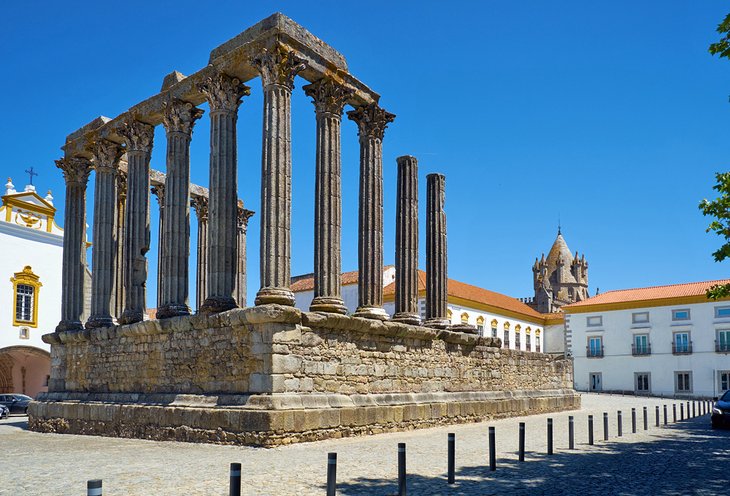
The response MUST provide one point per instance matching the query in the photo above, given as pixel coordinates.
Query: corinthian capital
(180, 116)
(223, 92)
(328, 97)
(278, 65)
(371, 120)
(200, 204)
(243, 216)
(137, 135)
(106, 155)
(75, 170)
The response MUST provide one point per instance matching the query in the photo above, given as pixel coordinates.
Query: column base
(279, 296)
(376, 313)
(467, 328)
(407, 318)
(217, 304)
(172, 310)
(131, 316)
(437, 323)
(70, 325)
(96, 321)
(329, 304)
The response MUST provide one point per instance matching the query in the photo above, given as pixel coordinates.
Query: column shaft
(159, 192)
(119, 244)
(106, 157)
(406, 242)
(201, 273)
(76, 174)
(278, 69)
(436, 256)
(372, 121)
(224, 96)
(241, 284)
(139, 137)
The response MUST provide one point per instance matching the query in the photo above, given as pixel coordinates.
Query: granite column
(241, 284)
(371, 121)
(200, 204)
(119, 236)
(406, 242)
(436, 259)
(159, 191)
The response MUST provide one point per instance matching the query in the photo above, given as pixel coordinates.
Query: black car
(16, 403)
(721, 411)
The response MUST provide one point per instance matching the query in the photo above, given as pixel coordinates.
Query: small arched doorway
(24, 369)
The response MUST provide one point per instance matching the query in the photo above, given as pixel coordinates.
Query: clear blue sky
(611, 115)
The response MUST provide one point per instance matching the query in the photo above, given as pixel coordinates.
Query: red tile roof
(305, 282)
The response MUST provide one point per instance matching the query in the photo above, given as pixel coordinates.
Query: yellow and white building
(30, 288)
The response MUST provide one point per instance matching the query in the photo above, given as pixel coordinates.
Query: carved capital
(159, 191)
(106, 155)
(328, 97)
(121, 185)
(279, 66)
(200, 204)
(243, 216)
(179, 116)
(371, 120)
(75, 170)
(223, 92)
(137, 135)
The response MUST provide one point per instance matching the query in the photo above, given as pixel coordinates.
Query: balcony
(681, 348)
(594, 352)
(641, 350)
(722, 347)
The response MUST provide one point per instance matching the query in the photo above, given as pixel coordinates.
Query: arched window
(480, 325)
(505, 340)
(464, 318)
(449, 314)
(25, 294)
(518, 330)
(528, 344)
(494, 328)
(537, 340)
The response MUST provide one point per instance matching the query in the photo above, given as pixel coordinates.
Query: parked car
(4, 412)
(721, 411)
(16, 403)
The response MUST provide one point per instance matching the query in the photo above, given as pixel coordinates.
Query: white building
(30, 288)
(493, 314)
(662, 340)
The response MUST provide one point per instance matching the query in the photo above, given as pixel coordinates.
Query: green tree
(722, 47)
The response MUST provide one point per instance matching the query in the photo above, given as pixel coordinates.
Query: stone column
(159, 192)
(119, 244)
(371, 121)
(106, 164)
(76, 174)
(138, 137)
(329, 102)
(406, 242)
(224, 95)
(178, 120)
(436, 261)
(241, 284)
(277, 67)
(200, 204)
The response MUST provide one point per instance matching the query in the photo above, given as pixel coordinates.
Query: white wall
(619, 365)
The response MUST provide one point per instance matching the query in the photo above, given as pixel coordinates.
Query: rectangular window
(721, 312)
(681, 344)
(723, 340)
(24, 333)
(537, 344)
(594, 321)
(641, 345)
(682, 314)
(517, 340)
(641, 382)
(494, 332)
(639, 317)
(724, 378)
(527, 343)
(24, 303)
(480, 329)
(595, 347)
(506, 339)
(683, 382)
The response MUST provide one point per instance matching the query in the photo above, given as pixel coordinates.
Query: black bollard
(646, 419)
(620, 425)
(492, 450)
(665, 414)
(694, 409)
(452, 458)
(681, 411)
(656, 411)
(549, 436)
(402, 469)
(590, 430)
(331, 474)
(633, 420)
(522, 442)
(93, 487)
(688, 417)
(571, 433)
(605, 426)
(234, 487)
(674, 412)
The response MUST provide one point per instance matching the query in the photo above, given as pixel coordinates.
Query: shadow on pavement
(694, 464)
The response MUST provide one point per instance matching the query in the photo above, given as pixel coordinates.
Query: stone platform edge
(275, 421)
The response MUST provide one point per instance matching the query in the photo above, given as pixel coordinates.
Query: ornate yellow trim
(449, 313)
(480, 320)
(26, 276)
(518, 328)
(528, 330)
(537, 332)
(464, 318)
(494, 322)
(506, 326)
(41, 209)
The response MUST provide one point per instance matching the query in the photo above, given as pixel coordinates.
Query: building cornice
(627, 305)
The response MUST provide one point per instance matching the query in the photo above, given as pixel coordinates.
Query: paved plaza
(684, 458)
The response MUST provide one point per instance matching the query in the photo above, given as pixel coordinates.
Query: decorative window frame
(464, 318)
(27, 277)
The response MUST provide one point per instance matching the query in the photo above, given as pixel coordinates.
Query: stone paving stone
(684, 458)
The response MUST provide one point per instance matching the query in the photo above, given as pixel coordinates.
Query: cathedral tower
(559, 279)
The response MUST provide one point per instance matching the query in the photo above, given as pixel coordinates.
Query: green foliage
(722, 47)
(719, 208)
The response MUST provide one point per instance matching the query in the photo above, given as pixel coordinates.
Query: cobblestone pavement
(683, 458)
